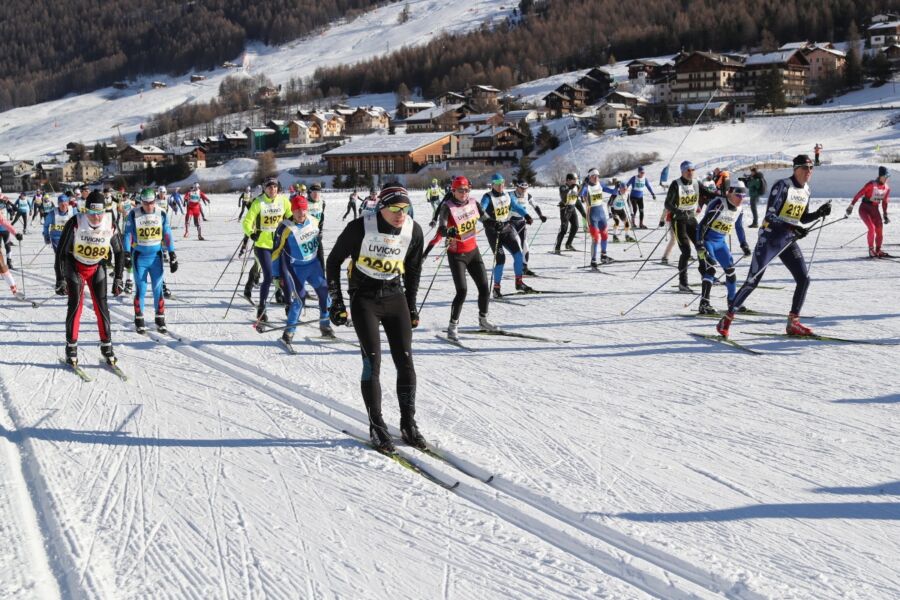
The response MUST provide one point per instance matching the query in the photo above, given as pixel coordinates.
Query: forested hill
(49, 49)
(564, 35)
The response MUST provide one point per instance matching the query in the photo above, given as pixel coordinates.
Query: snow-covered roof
(278, 122)
(713, 106)
(300, 124)
(146, 149)
(615, 105)
(485, 88)
(184, 150)
(794, 45)
(432, 113)
(235, 135)
(260, 130)
(888, 25)
(419, 105)
(489, 132)
(479, 118)
(829, 50)
(519, 114)
(384, 144)
(770, 58)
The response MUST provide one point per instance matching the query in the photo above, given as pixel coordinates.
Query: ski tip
(489, 479)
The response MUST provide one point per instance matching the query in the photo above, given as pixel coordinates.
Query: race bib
(465, 217)
(148, 229)
(92, 245)
(307, 238)
(724, 221)
(595, 195)
(619, 202)
(794, 205)
(381, 255)
(572, 197)
(502, 206)
(270, 215)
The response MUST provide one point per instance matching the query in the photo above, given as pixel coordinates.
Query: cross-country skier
(316, 204)
(260, 224)
(87, 245)
(498, 207)
(386, 249)
(569, 206)
(524, 197)
(592, 197)
(4, 257)
(351, 205)
(370, 204)
(176, 201)
(618, 209)
(44, 207)
(244, 201)
(194, 202)
(56, 221)
(722, 217)
(458, 218)
(638, 183)
(23, 206)
(682, 203)
(296, 260)
(872, 194)
(434, 195)
(786, 212)
(147, 230)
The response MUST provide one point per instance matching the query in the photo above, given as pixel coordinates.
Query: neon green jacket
(264, 216)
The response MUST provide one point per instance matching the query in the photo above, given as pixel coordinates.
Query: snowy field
(630, 460)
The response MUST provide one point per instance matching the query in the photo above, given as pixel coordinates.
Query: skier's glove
(886, 219)
(701, 254)
(61, 288)
(800, 233)
(127, 260)
(528, 219)
(254, 236)
(543, 219)
(824, 210)
(432, 223)
(338, 312)
(451, 232)
(173, 262)
(849, 210)
(46, 240)
(19, 237)
(746, 249)
(414, 318)
(662, 222)
(117, 286)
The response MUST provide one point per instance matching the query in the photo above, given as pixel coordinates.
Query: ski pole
(854, 239)
(716, 280)
(649, 256)
(649, 233)
(443, 254)
(34, 258)
(22, 266)
(812, 256)
(237, 285)
(642, 300)
(42, 302)
(535, 234)
(629, 219)
(241, 243)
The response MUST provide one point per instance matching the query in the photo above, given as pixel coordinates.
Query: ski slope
(630, 460)
(32, 131)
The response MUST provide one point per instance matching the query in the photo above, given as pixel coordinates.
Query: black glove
(19, 236)
(886, 219)
(117, 286)
(414, 318)
(451, 232)
(173, 262)
(849, 210)
(528, 219)
(662, 223)
(498, 225)
(61, 288)
(127, 260)
(543, 219)
(746, 249)
(800, 233)
(824, 210)
(338, 312)
(254, 236)
(426, 251)
(432, 223)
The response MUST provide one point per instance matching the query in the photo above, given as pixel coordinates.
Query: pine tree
(525, 171)
(527, 137)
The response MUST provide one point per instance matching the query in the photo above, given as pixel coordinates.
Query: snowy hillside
(35, 130)
(630, 460)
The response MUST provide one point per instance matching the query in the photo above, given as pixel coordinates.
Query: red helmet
(459, 182)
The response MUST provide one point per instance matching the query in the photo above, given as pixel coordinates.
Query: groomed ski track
(549, 499)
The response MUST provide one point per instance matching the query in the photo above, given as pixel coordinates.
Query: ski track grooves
(57, 541)
(639, 576)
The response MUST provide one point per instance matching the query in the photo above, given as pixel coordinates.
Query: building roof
(722, 59)
(827, 49)
(301, 124)
(770, 58)
(485, 88)
(235, 135)
(185, 150)
(479, 118)
(146, 149)
(520, 114)
(489, 132)
(888, 25)
(388, 144)
(794, 45)
(419, 105)
(432, 113)
(555, 93)
(265, 130)
(615, 105)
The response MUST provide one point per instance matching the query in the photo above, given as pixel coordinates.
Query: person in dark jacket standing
(386, 252)
(569, 206)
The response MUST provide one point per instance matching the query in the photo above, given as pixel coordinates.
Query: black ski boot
(604, 259)
(706, 308)
(129, 287)
(496, 291)
(248, 291)
(380, 437)
(523, 287)
(161, 324)
(166, 293)
(261, 317)
(139, 324)
(409, 431)
(529, 272)
(279, 296)
(106, 350)
(72, 354)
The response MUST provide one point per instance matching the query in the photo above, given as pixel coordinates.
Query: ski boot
(594, 266)
(485, 325)
(628, 238)
(795, 327)
(556, 251)
(106, 350)
(380, 437)
(604, 259)
(664, 260)
(882, 254)
(453, 330)
(161, 324)
(166, 293)
(200, 236)
(129, 287)
(522, 287)
(409, 431)
(248, 291)
(616, 239)
(186, 233)
(570, 248)
(326, 330)
(724, 324)
(496, 291)
(642, 226)
(529, 272)
(139, 324)
(706, 308)
(287, 338)
(72, 354)
(873, 253)
(685, 288)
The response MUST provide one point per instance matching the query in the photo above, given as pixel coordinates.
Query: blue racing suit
(146, 235)
(296, 256)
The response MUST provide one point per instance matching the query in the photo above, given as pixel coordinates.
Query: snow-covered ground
(32, 131)
(630, 460)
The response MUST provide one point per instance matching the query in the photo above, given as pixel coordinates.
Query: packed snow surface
(630, 459)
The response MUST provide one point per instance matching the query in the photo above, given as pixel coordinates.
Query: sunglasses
(464, 190)
(397, 208)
